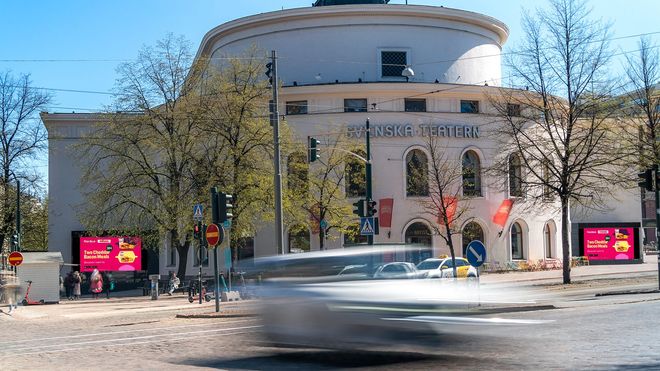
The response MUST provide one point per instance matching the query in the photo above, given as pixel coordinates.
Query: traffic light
(371, 208)
(312, 149)
(359, 208)
(14, 241)
(269, 72)
(197, 230)
(646, 179)
(226, 207)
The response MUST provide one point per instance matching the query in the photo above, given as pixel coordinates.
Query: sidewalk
(555, 276)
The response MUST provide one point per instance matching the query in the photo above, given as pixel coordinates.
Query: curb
(628, 292)
(221, 314)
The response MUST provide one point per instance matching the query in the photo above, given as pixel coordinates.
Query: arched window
(516, 241)
(352, 235)
(355, 178)
(299, 239)
(472, 231)
(515, 176)
(297, 170)
(417, 178)
(471, 174)
(420, 235)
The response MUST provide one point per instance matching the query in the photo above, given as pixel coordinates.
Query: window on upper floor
(355, 105)
(513, 110)
(393, 63)
(469, 106)
(417, 174)
(355, 176)
(298, 107)
(471, 175)
(515, 176)
(415, 105)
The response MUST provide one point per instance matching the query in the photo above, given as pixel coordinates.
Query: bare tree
(643, 72)
(445, 201)
(140, 158)
(561, 124)
(22, 139)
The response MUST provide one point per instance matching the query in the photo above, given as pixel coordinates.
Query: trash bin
(154, 285)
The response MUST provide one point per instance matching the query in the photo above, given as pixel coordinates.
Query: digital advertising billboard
(609, 243)
(110, 254)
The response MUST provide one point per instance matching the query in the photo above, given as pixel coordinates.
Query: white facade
(329, 54)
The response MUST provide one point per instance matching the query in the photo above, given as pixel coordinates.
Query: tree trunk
(321, 238)
(450, 243)
(565, 240)
(182, 251)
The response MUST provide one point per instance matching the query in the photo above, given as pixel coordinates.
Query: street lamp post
(370, 238)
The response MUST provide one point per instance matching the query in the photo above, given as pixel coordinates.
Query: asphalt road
(606, 333)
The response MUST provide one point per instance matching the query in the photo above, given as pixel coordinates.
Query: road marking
(126, 344)
(169, 328)
(129, 338)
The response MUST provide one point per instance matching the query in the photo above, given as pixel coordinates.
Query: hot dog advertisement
(110, 254)
(609, 243)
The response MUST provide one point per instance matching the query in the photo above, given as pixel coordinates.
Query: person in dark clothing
(68, 285)
(108, 283)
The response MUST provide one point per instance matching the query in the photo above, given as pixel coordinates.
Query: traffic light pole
(18, 214)
(275, 123)
(215, 217)
(657, 219)
(370, 238)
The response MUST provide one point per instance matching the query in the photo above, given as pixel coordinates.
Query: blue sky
(42, 37)
(103, 33)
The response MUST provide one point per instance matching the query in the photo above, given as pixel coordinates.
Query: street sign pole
(215, 216)
(370, 238)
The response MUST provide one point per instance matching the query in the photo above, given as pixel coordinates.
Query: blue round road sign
(475, 253)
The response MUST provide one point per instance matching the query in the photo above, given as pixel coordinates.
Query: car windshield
(428, 264)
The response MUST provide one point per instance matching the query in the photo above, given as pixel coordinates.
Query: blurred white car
(398, 270)
(443, 268)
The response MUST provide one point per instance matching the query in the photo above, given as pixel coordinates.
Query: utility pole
(275, 123)
(18, 214)
(370, 238)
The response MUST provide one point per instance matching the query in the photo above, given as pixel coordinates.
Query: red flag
(385, 212)
(503, 212)
(450, 203)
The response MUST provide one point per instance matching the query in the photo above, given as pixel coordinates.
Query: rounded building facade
(341, 65)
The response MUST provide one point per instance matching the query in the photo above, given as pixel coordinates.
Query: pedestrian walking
(108, 283)
(77, 281)
(68, 285)
(95, 283)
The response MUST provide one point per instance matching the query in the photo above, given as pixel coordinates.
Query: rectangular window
(415, 105)
(171, 256)
(205, 257)
(469, 106)
(298, 107)
(393, 63)
(355, 105)
(513, 110)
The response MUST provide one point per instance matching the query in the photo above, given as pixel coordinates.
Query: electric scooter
(207, 297)
(27, 301)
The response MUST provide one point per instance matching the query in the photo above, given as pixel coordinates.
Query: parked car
(398, 270)
(443, 268)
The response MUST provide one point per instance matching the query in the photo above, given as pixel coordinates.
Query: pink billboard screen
(110, 254)
(609, 243)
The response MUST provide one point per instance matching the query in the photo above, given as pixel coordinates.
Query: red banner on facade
(450, 204)
(503, 212)
(385, 212)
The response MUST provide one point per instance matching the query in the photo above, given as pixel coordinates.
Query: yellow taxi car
(443, 268)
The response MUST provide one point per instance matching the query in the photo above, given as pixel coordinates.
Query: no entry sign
(214, 235)
(15, 259)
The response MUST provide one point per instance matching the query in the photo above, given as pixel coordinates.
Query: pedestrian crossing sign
(198, 212)
(367, 226)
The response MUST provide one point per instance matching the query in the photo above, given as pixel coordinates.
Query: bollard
(154, 285)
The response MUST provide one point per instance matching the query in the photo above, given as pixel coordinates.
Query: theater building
(413, 71)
